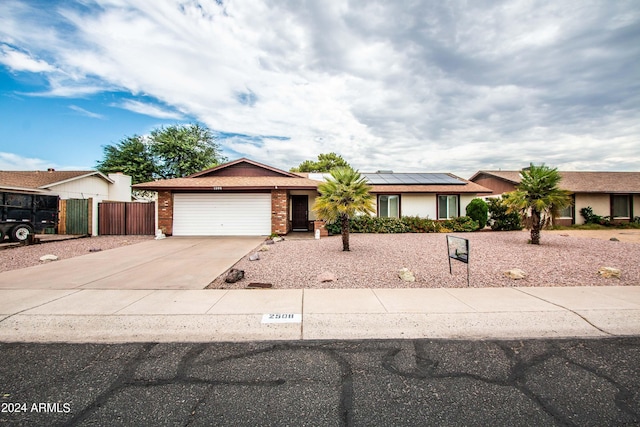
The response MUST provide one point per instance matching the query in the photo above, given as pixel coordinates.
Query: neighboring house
(244, 197)
(70, 185)
(610, 194)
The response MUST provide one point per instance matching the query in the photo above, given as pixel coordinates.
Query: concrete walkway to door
(175, 263)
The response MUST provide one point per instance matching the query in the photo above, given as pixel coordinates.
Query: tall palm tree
(539, 196)
(342, 196)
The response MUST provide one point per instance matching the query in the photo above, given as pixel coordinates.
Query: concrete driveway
(173, 263)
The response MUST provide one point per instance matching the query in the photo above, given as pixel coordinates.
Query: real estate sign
(458, 249)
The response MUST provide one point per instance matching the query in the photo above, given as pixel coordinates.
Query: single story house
(92, 185)
(244, 197)
(609, 194)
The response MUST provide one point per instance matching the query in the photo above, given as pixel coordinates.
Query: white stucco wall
(422, 205)
(600, 203)
(120, 190)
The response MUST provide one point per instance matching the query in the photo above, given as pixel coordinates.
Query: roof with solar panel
(385, 181)
(388, 177)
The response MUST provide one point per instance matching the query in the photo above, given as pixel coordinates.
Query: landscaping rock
(264, 248)
(406, 275)
(95, 250)
(614, 239)
(234, 275)
(269, 242)
(515, 274)
(609, 272)
(277, 239)
(48, 258)
(326, 276)
(254, 257)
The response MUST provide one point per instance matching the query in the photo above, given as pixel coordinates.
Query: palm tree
(342, 196)
(538, 194)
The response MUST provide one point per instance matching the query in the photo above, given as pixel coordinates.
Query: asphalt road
(353, 383)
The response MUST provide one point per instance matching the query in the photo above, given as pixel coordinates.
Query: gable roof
(244, 162)
(581, 182)
(40, 181)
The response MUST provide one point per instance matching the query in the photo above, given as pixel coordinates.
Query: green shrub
(461, 223)
(499, 217)
(416, 224)
(591, 218)
(479, 211)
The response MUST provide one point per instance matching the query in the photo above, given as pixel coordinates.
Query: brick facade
(279, 212)
(165, 212)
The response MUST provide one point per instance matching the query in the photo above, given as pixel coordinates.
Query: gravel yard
(14, 258)
(374, 261)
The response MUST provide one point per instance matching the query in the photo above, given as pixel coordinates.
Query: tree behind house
(171, 152)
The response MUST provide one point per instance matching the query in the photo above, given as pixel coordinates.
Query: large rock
(49, 257)
(515, 274)
(609, 272)
(327, 276)
(264, 248)
(254, 257)
(234, 275)
(406, 275)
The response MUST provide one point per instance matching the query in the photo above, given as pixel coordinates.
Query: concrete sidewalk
(141, 315)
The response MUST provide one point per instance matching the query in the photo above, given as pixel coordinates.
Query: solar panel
(412, 179)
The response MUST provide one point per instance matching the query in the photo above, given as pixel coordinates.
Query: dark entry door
(300, 213)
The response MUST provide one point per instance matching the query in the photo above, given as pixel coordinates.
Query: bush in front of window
(406, 224)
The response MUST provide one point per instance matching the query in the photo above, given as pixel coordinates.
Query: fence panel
(140, 218)
(77, 216)
(126, 218)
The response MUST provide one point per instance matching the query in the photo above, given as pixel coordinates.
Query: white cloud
(149, 110)
(15, 162)
(455, 85)
(21, 61)
(87, 113)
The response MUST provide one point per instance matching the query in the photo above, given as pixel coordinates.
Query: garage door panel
(226, 214)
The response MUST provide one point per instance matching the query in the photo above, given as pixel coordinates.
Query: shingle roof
(584, 182)
(229, 183)
(39, 180)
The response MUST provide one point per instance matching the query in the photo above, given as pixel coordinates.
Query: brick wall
(165, 212)
(279, 211)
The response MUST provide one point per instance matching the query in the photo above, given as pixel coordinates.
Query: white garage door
(224, 214)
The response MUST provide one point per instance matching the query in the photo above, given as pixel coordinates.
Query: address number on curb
(282, 318)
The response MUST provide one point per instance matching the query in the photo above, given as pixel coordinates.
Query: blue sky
(430, 86)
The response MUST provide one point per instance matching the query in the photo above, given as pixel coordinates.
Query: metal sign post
(458, 249)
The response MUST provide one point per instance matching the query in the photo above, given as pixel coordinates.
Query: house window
(621, 206)
(389, 206)
(566, 212)
(448, 206)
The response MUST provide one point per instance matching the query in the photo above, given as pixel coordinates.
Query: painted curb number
(281, 318)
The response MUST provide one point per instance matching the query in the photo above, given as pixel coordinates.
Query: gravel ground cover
(374, 261)
(14, 258)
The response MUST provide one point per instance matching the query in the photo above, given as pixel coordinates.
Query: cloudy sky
(421, 85)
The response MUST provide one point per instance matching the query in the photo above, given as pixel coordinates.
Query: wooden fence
(126, 218)
(75, 216)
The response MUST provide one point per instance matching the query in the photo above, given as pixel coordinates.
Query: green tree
(130, 156)
(478, 210)
(342, 196)
(170, 152)
(538, 198)
(325, 163)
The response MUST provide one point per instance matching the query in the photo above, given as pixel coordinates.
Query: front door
(300, 213)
